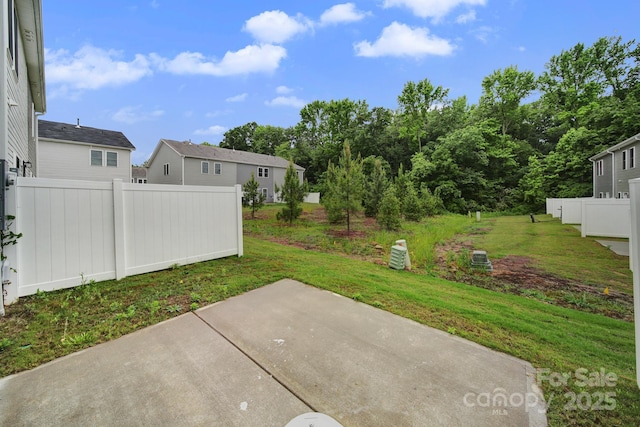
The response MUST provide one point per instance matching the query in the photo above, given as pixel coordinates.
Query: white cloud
(131, 115)
(341, 13)
(401, 40)
(467, 17)
(286, 101)
(483, 33)
(155, 4)
(237, 98)
(93, 68)
(276, 26)
(251, 59)
(521, 49)
(283, 90)
(216, 113)
(436, 9)
(211, 130)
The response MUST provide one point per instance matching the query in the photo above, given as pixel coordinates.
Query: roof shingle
(210, 152)
(83, 134)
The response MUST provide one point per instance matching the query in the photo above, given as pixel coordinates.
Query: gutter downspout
(613, 173)
(182, 170)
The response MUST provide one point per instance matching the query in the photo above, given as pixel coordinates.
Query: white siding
(155, 171)
(18, 123)
(60, 160)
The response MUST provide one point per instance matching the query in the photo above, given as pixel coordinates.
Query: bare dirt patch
(519, 275)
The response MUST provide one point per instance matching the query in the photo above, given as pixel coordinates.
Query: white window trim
(625, 160)
(217, 168)
(632, 158)
(600, 168)
(106, 160)
(264, 192)
(166, 170)
(263, 172)
(91, 157)
(202, 167)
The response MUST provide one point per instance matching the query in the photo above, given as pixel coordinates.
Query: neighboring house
(23, 84)
(614, 167)
(78, 152)
(185, 163)
(138, 175)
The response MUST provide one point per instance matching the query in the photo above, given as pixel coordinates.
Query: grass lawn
(558, 339)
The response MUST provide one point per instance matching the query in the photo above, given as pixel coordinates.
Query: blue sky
(192, 70)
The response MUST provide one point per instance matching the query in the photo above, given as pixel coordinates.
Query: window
(600, 168)
(112, 158)
(265, 193)
(204, 168)
(217, 168)
(13, 34)
(96, 158)
(166, 168)
(632, 157)
(263, 172)
(600, 195)
(624, 159)
(142, 181)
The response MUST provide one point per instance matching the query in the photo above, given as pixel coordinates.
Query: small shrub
(5, 343)
(175, 308)
(357, 297)
(389, 211)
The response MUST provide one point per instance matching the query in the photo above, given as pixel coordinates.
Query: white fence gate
(109, 230)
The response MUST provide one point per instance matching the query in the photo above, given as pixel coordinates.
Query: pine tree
(252, 195)
(412, 208)
(375, 186)
(389, 212)
(345, 185)
(292, 193)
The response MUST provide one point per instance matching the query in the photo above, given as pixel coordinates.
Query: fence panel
(67, 230)
(634, 251)
(188, 224)
(606, 218)
(80, 230)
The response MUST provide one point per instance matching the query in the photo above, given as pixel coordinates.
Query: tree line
(529, 137)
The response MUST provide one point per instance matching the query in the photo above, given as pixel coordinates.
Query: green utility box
(398, 257)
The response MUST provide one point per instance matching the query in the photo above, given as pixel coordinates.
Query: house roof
(30, 18)
(210, 152)
(616, 147)
(138, 172)
(83, 134)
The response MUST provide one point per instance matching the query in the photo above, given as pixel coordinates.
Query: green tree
(292, 193)
(389, 212)
(240, 138)
(252, 195)
(416, 101)
(502, 92)
(412, 208)
(375, 185)
(345, 185)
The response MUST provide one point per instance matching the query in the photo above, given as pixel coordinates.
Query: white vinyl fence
(597, 217)
(634, 252)
(606, 218)
(81, 230)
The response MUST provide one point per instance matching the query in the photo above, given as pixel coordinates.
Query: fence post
(118, 227)
(11, 266)
(239, 210)
(634, 241)
(583, 221)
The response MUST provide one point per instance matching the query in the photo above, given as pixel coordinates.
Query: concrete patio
(270, 355)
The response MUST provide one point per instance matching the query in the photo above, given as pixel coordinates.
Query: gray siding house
(78, 152)
(614, 167)
(186, 163)
(23, 94)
